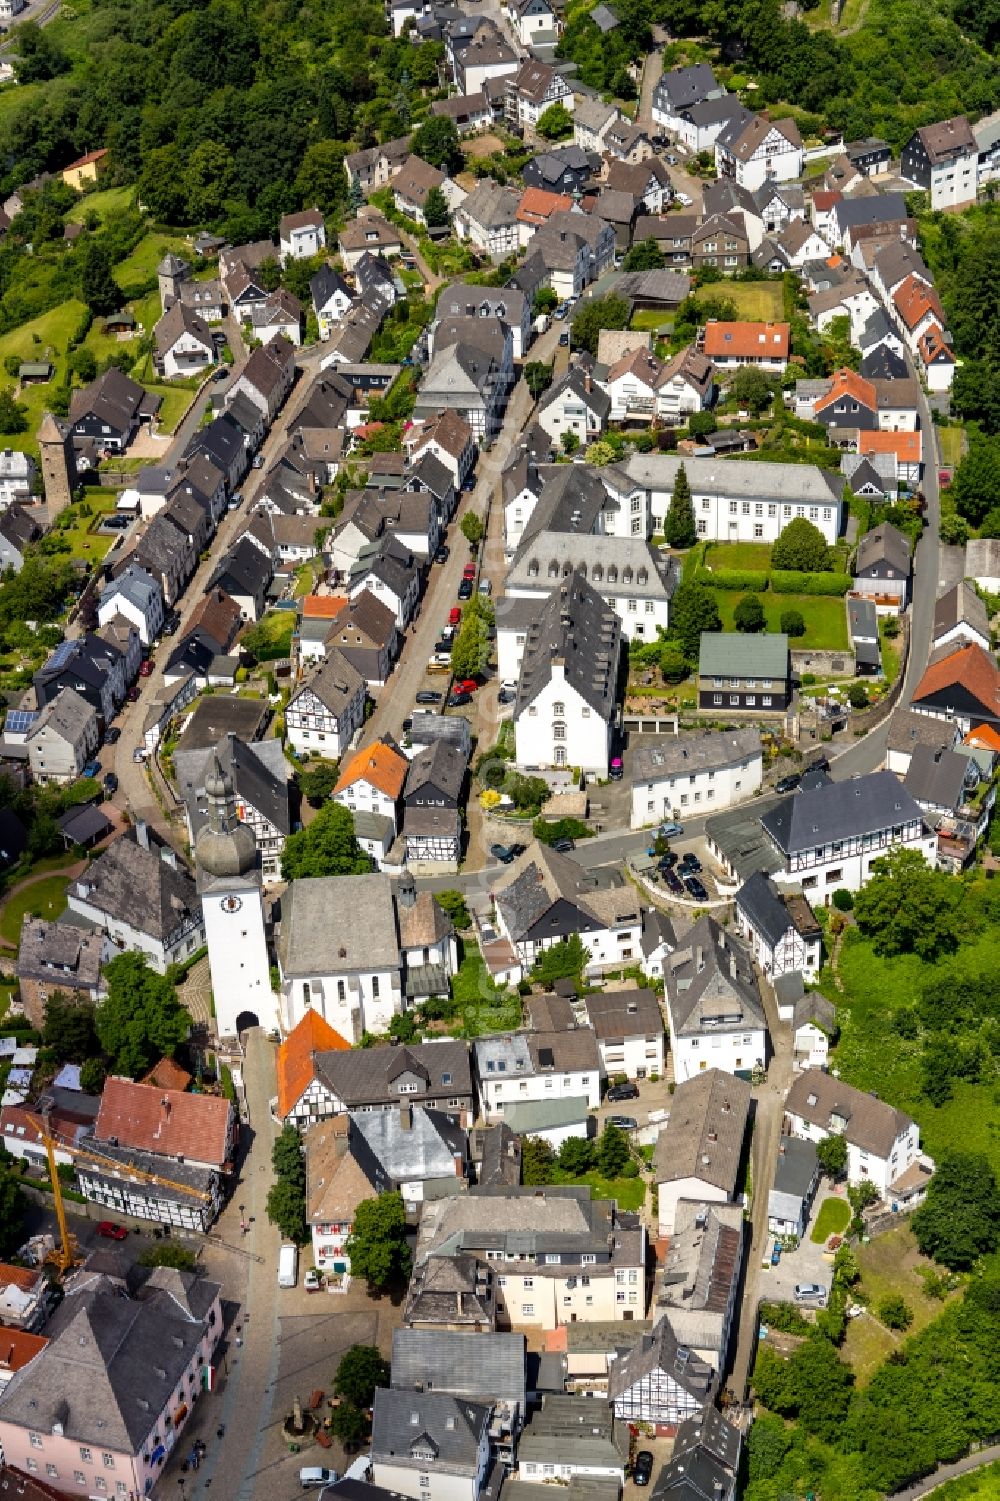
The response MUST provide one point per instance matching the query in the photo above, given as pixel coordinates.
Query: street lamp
(243, 1223)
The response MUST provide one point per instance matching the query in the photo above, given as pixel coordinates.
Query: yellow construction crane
(66, 1255)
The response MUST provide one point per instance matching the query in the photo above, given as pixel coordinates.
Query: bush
(894, 1312)
(843, 899)
(792, 623)
(748, 615)
(746, 580)
(788, 581)
(563, 828)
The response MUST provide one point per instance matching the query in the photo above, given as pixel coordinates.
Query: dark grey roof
(680, 755)
(624, 1013)
(883, 363)
(710, 983)
(936, 777)
(244, 569)
(961, 605)
(703, 1137)
(412, 1144)
(439, 765)
(258, 773)
(851, 213)
(682, 87)
(862, 621)
(465, 1365)
(365, 1076)
(136, 886)
(660, 1351)
(796, 1166)
(576, 628)
(841, 810)
(907, 729)
(704, 1461)
(870, 1123)
(760, 899)
(410, 1428)
(883, 544)
(656, 929)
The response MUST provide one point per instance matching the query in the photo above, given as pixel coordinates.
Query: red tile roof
(906, 446)
(17, 1347)
(379, 764)
(537, 205)
(932, 346)
(168, 1075)
(984, 737)
(914, 299)
(747, 340)
(969, 667)
(323, 606)
(165, 1121)
(85, 161)
(26, 1278)
(824, 200)
(295, 1057)
(849, 383)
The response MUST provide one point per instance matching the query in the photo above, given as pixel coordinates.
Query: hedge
(746, 580)
(788, 582)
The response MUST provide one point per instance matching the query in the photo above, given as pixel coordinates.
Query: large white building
(567, 688)
(520, 1067)
(713, 1005)
(780, 929)
(713, 770)
(883, 1144)
(545, 897)
(635, 579)
(752, 149)
(323, 715)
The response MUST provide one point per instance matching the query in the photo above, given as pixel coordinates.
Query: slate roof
(725, 654)
(871, 1123)
(575, 627)
(439, 765)
(412, 1144)
(68, 715)
(335, 682)
(841, 811)
(936, 776)
(660, 1351)
(704, 1462)
(451, 1290)
(409, 1428)
(684, 754)
(461, 1364)
(617, 1014)
(796, 1166)
(244, 569)
(259, 775)
(711, 984)
(703, 1137)
(883, 544)
(134, 885)
(961, 605)
(947, 139)
(701, 1266)
(165, 1121)
(113, 399)
(332, 925)
(682, 87)
(59, 952)
(180, 320)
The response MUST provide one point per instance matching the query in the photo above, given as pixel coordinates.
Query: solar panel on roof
(18, 720)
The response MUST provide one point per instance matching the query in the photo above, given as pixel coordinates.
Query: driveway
(807, 1263)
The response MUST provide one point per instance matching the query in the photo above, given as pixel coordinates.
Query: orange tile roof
(537, 204)
(168, 1075)
(85, 161)
(834, 260)
(323, 606)
(379, 764)
(969, 667)
(984, 737)
(932, 346)
(17, 1347)
(24, 1277)
(906, 446)
(824, 200)
(849, 383)
(295, 1057)
(914, 299)
(747, 339)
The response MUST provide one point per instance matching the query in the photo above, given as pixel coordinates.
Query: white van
(288, 1266)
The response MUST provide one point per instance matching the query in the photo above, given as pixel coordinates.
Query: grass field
(92, 546)
(484, 1008)
(106, 204)
(629, 1192)
(890, 1264)
(755, 300)
(951, 439)
(43, 898)
(833, 1219)
(133, 273)
(650, 320)
(825, 618)
(753, 555)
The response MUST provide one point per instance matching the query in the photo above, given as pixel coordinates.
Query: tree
(473, 529)
(470, 650)
(317, 781)
(895, 1312)
(752, 389)
(377, 1243)
(680, 528)
(793, 623)
(453, 902)
(92, 1076)
(646, 256)
(98, 288)
(700, 424)
(545, 300)
(612, 1151)
(907, 908)
(320, 182)
(537, 377)
(209, 178)
(286, 1208)
(13, 1206)
(576, 1155)
(402, 1027)
(767, 1445)
(437, 214)
(326, 847)
(857, 695)
(161, 184)
(748, 616)
(975, 484)
(537, 1158)
(169, 1253)
(843, 899)
(349, 1424)
(142, 1020)
(37, 56)
(555, 123)
(562, 961)
(362, 1370)
(69, 1028)
(436, 142)
(822, 1385)
(570, 441)
(800, 546)
(287, 1157)
(832, 1155)
(598, 313)
(13, 414)
(959, 1220)
(694, 610)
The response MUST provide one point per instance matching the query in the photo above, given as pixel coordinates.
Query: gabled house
(660, 1382)
(544, 897)
(574, 404)
(468, 113)
(715, 770)
(488, 220)
(268, 375)
(280, 314)
(714, 1009)
(364, 631)
(961, 618)
(222, 444)
(700, 1150)
(732, 345)
(19, 527)
(62, 738)
(430, 1445)
(705, 1462)
(567, 1438)
(629, 574)
(702, 1271)
(448, 437)
(492, 1372)
(302, 1097)
(331, 299)
(89, 665)
(961, 686)
(244, 573)
(678, 90)
(55, 956)
(779, 927)
(390, 572)
(943, 159)
(411, 185)
(325, 712)
(372, 779)
(535, 22)
(521, 1068)
(139, 598)
(748, 673)
(592, 119)
(752, 148)
(109, 412)
(722, 242)
(337, 1181)
(373, 167)
(184, 344)
(628, 1026)
(142, 898)
(533, 89)
(370, 233)
(301, 235)
(561, 170)
(883, 1144)
(796, 1178)
(882, 563)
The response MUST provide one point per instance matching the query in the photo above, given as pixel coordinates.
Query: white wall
(670, 1195)
(728, 1051)
(237, 954)
(670, 797)
(638, 1057)
(866, 1166)
(587, 739)
(350, 1011)
(496, 1093)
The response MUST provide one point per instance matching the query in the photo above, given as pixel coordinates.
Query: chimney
(142, 833)
(406, 1117)
(699, 958)
(169, 856)
(340, 1145)
(586, 381)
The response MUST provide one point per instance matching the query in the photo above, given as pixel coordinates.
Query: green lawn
(951, 445)
(107, 203)
(833, 1219)
(484, 1008)
(136, 270)
(755, 300)
(650, 320)
(755, 555)
(890, 650)
(629, 1192)
(43, 899)
(825, 618)
(980, 1485)
(890, 1265)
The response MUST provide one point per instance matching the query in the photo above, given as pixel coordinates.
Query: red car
(146, 668)
(111, 1231)
(469, 571)
(455, 615)
(468, 685)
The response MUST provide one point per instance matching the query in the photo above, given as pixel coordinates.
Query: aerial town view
(499, 750)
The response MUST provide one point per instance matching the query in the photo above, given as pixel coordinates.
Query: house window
(341, 991)
(108, 1460)
(79, 1477)
(51, 1470)
(86, 1456)
(35, 1440)
(558, 709)
(374, 987)
(527, 1309)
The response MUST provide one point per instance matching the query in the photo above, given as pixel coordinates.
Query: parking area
(807, 1263)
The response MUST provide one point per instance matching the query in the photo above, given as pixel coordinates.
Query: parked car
(563, 846)
(689, 861)
(789, 783)
(561, 311)
(667, 861)
(171, 625)
(454, 615)
(428, 696)
(92, 769)
(776, 1253)
(670, 830)
(506, 697)
(642, 1470)
(258, 461)
(459, 700)
(619, 1093)
(442, 555)
(518, 849)
(465, 589)
(485, 587)
(146, 668)
(616, 770)
(316, 1475)
(696, 889)
(467, 685)
(111, 1231)
(112, 735)
(313, 1280)
(672, 881)
(502, 853)
(564, 338)
(807, 1292)
(133, 694)
(624, 1122)
(110, 783)
(469, 571)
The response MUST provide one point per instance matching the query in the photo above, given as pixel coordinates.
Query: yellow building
(88, 169)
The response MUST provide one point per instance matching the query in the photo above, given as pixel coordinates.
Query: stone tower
(171, 271)
(55, 444)
(232, 901)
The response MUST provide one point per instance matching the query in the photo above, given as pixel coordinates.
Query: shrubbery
(745, 580)
(786, 581)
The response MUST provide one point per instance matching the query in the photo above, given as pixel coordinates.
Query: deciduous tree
(142, 1020)
(436, 142)
(907, 908)
(377, 1244)
(959, 1220)
(748, 616)
(693, 610)
(326, 847)
(555, 123)
(801, 546)
(362, 1370)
